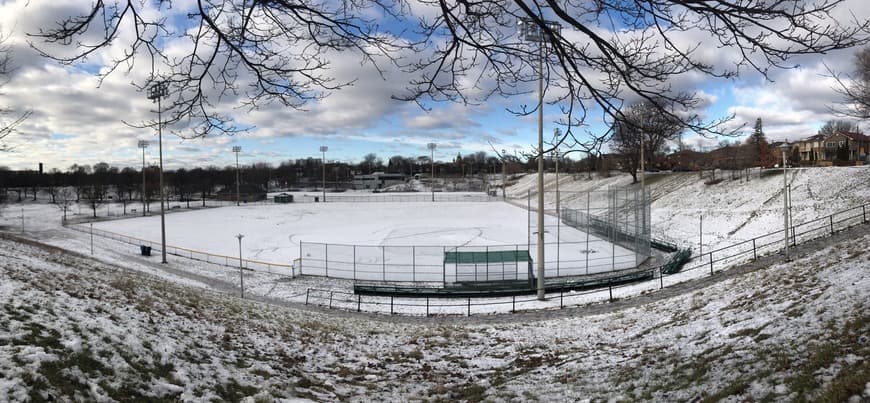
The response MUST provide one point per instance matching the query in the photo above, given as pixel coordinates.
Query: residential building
(839, 147)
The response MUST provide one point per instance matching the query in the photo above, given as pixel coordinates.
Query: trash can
(146, 250)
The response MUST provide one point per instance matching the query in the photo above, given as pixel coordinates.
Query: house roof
(815, 137)
(857, 136)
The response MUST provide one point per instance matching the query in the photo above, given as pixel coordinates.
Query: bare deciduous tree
(609, 53)
(643, 126)
(855, 88)
(836, 126)
(9, 120)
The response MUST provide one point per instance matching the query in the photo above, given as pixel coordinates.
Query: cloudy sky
(75, 119)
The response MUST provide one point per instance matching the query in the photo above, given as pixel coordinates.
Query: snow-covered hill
(72, 328)
(118, 327)
(733, 210)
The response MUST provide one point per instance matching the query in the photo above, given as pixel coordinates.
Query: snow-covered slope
(76, 329)
(733, 210)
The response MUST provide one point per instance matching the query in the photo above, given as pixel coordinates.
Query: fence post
(831, 217)
(711, 263)
(513, 304)
(661, 278)
(486, 253)
(793, 236)
(391, 305)
(330, 299)
(444, 266)
(306, 295)
(754, 253)
(610, 288)
(469, 306)
(561, 294)
(427, 307)
(358, 302)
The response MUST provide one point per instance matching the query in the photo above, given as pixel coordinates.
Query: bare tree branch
(609, 53)
(9, 126)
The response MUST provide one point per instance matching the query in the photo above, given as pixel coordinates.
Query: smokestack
(40, 168)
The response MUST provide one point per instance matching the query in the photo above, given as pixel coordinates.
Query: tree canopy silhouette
(608, 54)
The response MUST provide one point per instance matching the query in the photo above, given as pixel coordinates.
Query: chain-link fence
(625, 221)
(398, 197)
(707, 263)
(429, 264)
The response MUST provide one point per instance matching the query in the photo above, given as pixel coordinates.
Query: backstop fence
(625, 222)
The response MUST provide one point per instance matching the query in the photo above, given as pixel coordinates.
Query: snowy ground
(284, 232)
(74, 328)
(121, 326)
(733, 210)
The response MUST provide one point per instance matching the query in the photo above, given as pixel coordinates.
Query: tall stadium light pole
(431, 147)
(503, 173)
(143, 144)
(784, 147)
(241, 276)
(323, 150)
(157, 92)
(532, 32)
(237, 150)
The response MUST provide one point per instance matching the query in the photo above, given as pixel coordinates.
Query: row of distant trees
(102, 182)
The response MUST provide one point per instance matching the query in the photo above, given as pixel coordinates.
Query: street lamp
(157, 92)
(241, 277)
(323, 150)
(784, 147)
(531, 31)
(431, 147)
(143, 144)
(237, 150)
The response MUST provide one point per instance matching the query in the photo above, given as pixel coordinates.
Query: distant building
(839, 147)
(377, 180)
